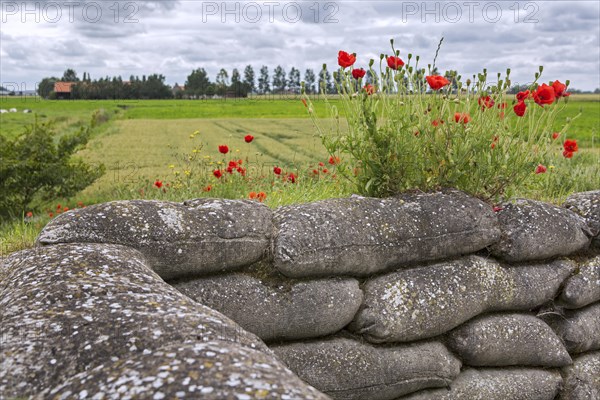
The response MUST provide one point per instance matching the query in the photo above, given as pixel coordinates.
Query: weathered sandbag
(360, 236)
(579, 329)
(582, 379)
(499, 340)
(278, 309)
(349, 369)
(212, 370)
(196, 237)
(497, 384)
(69, 308)
(583, 288)
(427, 301)
(587, 204)
(533, 230)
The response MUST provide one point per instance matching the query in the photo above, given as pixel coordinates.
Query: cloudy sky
(171, 37)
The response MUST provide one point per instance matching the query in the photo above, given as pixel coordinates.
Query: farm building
(63, 89)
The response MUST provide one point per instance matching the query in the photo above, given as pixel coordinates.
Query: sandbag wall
(422, 296)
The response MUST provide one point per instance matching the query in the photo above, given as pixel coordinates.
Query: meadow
(140, 142)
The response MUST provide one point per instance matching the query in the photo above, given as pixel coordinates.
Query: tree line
(197, 85)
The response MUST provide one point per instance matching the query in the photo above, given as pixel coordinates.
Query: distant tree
(452, 76)
(237, 87)
(2, 88)
(263, 80)
(249, 79)
(46, 86)
(294, 80)
(235, 77)
(325, 85)
(222, 81)
(197, 82)
(154, 87)
(514, 89)
(309, 81)
(597, 91)
(70, 76)
(222, 78)
(279, 81)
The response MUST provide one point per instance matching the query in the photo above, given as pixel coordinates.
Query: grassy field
(143, 141)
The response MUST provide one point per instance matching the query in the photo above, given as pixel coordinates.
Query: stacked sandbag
(508, 339)
(426, 295)
(278, 309)
(94, 319)
(587, 204)
(582, 379)
(346, 368)
(360, 236)
(533, 230)
(197, 237)
(427, 301)
(497, 384)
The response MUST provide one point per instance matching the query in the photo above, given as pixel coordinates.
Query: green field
(142, 141)
(144, 137)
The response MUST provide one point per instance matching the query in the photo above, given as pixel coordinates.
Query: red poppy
(334, 160)
(277, 170)
(229, 169)
(544, 95)
(248, 138)
(233, 164)
(555, 135)
(158, 184)
(436, 82)
(223, 149)
(321, 164)
(29, 214)
(521, 96)
(369, 89)
(261, 196)
(80, 203)
(437, 122)
(292, 177)
(493, 145)
(207, 188)
(217, 173)
(570, 146)
(568, 154)
(394, 62)
(560, 89)
(462, 117)
(325, 170)
(252, 195)
(241, 171)
(417, 133)
(58, 206)
(315, 172)
(486, 102)
(345, 59)
(358, 73)
(520, 108)
(497, 209)
(540, 169)
(502, 106)
(65, 209)
(50, 214)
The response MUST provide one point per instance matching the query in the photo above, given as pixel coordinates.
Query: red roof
(63, 87)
